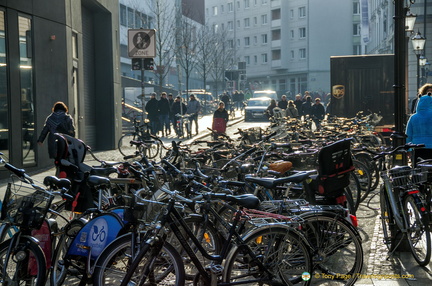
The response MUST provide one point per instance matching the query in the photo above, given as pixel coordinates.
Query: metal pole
(398, 135)
(142, 91)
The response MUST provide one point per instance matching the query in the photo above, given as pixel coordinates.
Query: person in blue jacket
(419, 126)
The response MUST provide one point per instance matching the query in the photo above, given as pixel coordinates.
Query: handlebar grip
(171, 166)
(19, 172)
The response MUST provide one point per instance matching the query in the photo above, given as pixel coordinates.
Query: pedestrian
(298, 103)
(241, 98)
(152, 113)
(269, 111)
(164, 114)
(193, 109)
(419, 126)
(414, 103)
(283, 103)
(59, 121)
(318, 113)
(292, 111)
(226, 98)
(178, 108)
(307, 107)
(171, 102)
(220, 119)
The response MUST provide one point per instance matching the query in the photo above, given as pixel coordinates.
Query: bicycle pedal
(215, 269)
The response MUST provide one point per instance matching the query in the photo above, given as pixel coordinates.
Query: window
(230, 25)
(276, 14)
(302, 12)
(255, 21)
(292, 54)
(215, 10)
(247, 41)
(247, 59)
(138, 20)
(264, 58)
(357, 50)
(4, 122)
(356, 29)
(246, 22)
(238, 23)
(356, 8)
(238, 4)
(264, 2)
(292, 14)
(246, 4)
(282, 84)
(264, 19)
(255, 40)
(276, 35)
(292, 34)
(276, 55)
(255, 59)
(222, 9)
(230, 7)
(238, 43)
(215, 28)
(25, 31)
(130, 18)
(231, 44)
(302, 33)
(123, 16)
(264, 38)
(302, 53)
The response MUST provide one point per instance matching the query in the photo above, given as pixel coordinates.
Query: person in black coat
(152, 113)
(59, 121)
(164, 113)
(283, 103)
(318, 113)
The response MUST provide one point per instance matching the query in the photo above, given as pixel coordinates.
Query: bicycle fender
(95, 236)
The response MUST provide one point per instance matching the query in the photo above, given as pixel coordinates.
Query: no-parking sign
(142, 43)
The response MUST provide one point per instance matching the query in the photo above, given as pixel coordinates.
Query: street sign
(142, 43)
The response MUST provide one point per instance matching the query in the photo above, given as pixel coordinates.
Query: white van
(266, 93)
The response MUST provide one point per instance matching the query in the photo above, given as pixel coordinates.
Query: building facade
(287, 45)
(58, 50)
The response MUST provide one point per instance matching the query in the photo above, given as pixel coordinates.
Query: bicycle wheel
(388, 223)
(152, 150)
(418, 230)
(59, 267)
(337, 247)
(364, 179)
(372, 166)
(26, 264)
(166, 267)
(124, 146)
(351, 205)
(282, 252)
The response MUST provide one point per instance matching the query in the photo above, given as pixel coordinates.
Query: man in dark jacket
(178, 107)
(283, 103)
(152, 113)
(318, 113)
(164, 112)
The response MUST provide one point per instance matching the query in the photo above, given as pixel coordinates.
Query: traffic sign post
(142, 50)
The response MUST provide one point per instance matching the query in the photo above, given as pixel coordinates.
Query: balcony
(276, 23)
(276, 63)
(276, 44)
(275, 3)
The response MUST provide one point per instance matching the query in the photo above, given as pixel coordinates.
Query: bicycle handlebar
(405, 147)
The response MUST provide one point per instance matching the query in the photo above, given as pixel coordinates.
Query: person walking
(283, 103)
(59, 121)
(164, 113)
(193, 109)
(318, 113)
(178, 107)
(292, 111)
(269, 110)
(307, 107)
(152, 113)
(419, 126)
(171, 102)
(220, 120)
(298, 103)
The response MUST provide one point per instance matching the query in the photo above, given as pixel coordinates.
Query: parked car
(266, 93)
(256, 108)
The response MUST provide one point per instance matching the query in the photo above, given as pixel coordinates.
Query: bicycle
(25, 258)
(151, 144)
(253, 258)
(404, 209)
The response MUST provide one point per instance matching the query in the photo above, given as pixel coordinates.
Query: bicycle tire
(351, 205)
(15, 271)
(116, 260)
(154, 149)
(283, 251)
(337, 247)
(59, 266)
(364, 178)
(387, 221)
(125, 148)
(419, 237)
(372, 167)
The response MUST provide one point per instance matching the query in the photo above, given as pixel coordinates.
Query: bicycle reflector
(354, 220)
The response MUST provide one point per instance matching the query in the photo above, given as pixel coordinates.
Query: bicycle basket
(24, 206)
(403, 176)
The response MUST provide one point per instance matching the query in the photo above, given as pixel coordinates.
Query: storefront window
(27, 95)
(4, 113)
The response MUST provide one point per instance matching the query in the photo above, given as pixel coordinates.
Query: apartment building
(287, 45)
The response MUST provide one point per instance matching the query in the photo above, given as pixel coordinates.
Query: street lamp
(423, 62)
(410, 21)
(418, 42)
